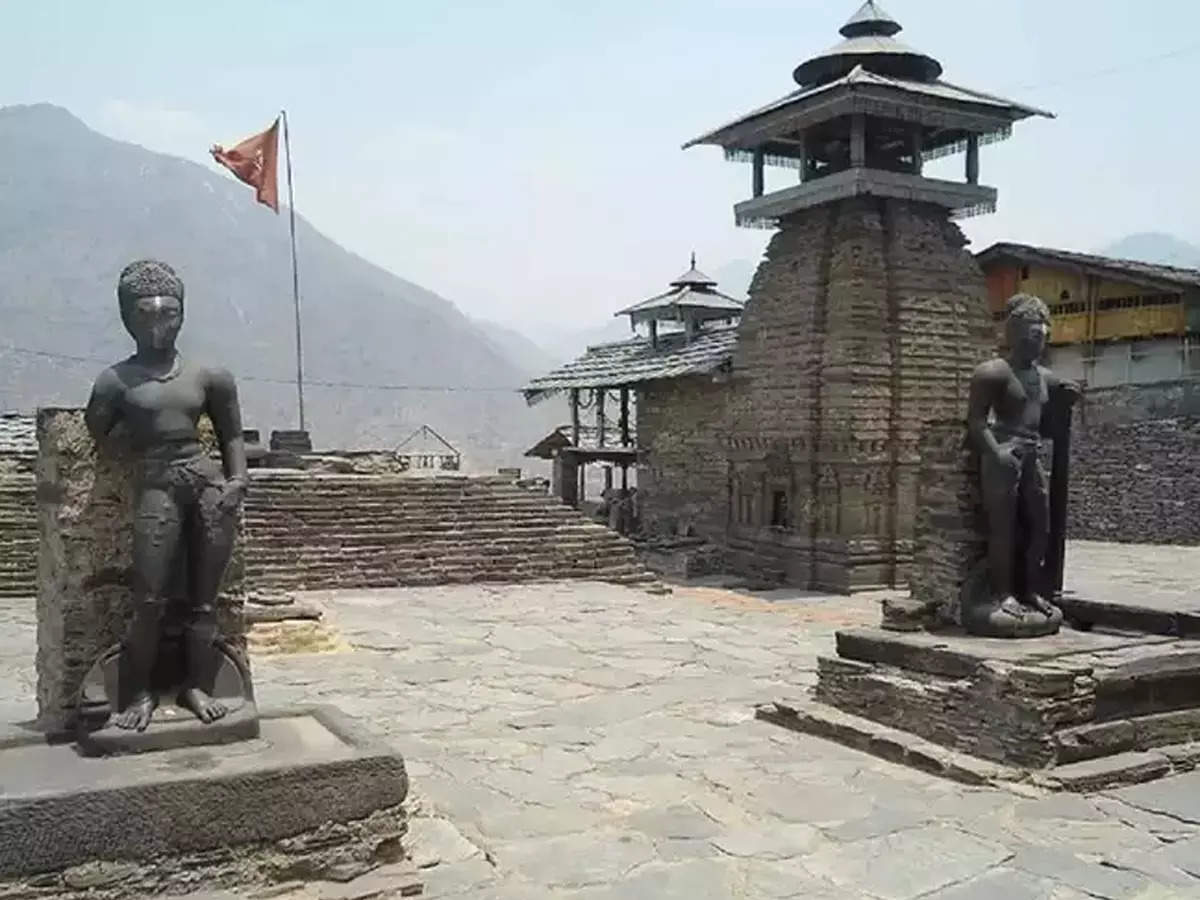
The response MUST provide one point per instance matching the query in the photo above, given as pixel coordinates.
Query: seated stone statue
(1008, 417)
(185, 515)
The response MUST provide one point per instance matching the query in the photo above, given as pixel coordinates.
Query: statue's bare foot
(1039, 603)
(206, 708)
(136, 716)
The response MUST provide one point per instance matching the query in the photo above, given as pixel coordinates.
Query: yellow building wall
(1132, 321)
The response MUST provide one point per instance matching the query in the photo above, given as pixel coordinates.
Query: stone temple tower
(866, 315)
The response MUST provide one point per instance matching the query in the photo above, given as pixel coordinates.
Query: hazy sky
(523, 159)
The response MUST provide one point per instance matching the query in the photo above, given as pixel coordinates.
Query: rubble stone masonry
(1136, 482)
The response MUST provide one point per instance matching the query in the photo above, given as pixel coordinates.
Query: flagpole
(287, 150)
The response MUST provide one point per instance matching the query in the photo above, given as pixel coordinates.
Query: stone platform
(1080, 710)
(307, 768)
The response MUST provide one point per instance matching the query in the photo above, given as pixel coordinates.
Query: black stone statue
(1015, 404)
(185, 506)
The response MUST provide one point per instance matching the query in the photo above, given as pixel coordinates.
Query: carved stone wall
(865, 320)
(85, 595)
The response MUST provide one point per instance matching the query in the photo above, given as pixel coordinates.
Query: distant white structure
(428, 450)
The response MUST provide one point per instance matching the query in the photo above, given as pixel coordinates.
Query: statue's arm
(226, 416)
(103, 408)
(979, 405)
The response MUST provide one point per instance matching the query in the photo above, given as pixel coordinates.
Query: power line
(315, 383)
(1111, 70)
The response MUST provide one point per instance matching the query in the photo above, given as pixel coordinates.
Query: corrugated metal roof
(942, 90)
(1127, 268)
(693, 276)
(684, 297)
(18, 434)
(635, 361)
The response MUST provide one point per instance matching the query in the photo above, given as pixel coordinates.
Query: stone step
(331, 563)
(1136, 733)
(401, 537)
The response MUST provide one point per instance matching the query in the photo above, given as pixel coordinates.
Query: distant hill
(76, 206)
(1151, 247)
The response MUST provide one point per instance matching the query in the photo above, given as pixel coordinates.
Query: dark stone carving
(1015, 404)
(185, 519)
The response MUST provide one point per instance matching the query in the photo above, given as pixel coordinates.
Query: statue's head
(151, 298)
(1027, 325)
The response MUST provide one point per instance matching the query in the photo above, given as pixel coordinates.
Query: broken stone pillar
(85, 523)
(948, 535)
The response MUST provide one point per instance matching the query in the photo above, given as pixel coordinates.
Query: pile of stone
(277, 623)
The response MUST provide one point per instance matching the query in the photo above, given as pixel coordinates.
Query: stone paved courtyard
(589, 741)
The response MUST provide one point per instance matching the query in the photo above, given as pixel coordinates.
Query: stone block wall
(84, 603)
(1137, 482)
(18, 526)
(683, 477)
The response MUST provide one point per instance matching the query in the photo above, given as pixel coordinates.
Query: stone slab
(307, 767)
(170, 733)
(960, 655)
(1143, 612)
(818, 719)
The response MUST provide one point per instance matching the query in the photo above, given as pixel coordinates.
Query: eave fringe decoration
(979, 209)
(753, 222)
(732, 154)
(990, 137)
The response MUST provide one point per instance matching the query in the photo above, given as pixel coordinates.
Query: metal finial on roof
(869, 42)
(693, 259)
(870, 19)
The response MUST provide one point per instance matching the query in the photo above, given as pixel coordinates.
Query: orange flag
(254, 161)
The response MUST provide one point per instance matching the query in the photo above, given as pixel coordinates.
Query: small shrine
(690, 329)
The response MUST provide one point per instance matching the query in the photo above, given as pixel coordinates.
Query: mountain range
(382, 354)
(76, 206)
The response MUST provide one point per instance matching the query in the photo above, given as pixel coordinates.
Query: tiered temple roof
(693, 295)
(821, 129)
(626, 363)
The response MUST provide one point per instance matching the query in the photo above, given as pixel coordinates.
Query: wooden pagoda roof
(635, 361)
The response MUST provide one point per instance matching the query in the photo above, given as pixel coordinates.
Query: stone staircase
(18, 537)
(313, 532)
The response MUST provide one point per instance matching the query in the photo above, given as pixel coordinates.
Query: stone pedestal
(84, 570)
(1073, 711)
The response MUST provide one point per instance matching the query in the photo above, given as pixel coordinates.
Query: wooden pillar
(858, 141)
(973, 159)
(654, 334)
(601, 418)
(624, 417)
(756, 174)
(914, 149)
(803, 157)
(574, 417)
